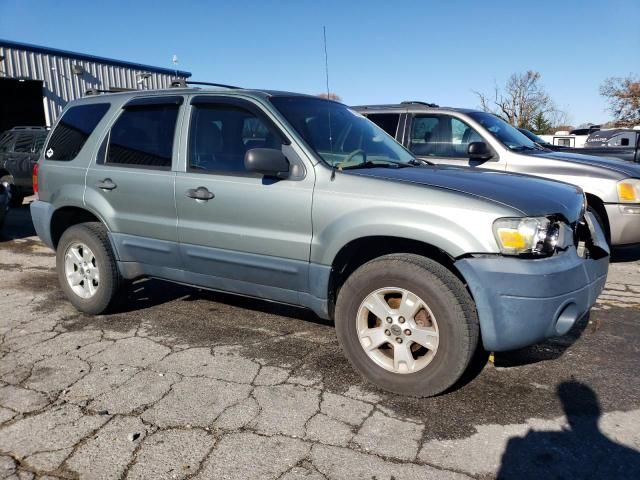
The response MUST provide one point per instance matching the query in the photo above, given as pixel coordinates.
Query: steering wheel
(353, 154)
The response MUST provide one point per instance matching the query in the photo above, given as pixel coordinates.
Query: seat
(208, 144)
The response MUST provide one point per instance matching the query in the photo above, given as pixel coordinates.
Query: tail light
(34, 179)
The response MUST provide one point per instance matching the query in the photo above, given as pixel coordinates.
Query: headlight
(538, 236)
(629, 190)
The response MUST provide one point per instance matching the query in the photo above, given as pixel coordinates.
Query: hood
(532, 196)
(627, 169)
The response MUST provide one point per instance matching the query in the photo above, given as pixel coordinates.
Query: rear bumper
(521, 302)
(624, 225)
(41, 213)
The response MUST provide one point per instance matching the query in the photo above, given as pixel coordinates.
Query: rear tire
(87, 269)
(449, 311)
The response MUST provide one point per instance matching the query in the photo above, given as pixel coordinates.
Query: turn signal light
(34, 179)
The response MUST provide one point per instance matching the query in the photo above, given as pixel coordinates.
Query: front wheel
(407, 324)
(87, 269)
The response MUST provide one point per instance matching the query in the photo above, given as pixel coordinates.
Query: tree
(540, 125)
(330, 96)
(521, 101)
(623, 95)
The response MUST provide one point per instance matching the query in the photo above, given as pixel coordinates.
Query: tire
(92, 235)
(16, 198)
(452, 313)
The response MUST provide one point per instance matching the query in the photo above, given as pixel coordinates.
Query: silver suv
(300, 200)
(470, 138)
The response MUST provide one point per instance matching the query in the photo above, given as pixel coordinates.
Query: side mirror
(268, 162)
(479, 151)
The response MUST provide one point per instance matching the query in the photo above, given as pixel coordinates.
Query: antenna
(326, 59)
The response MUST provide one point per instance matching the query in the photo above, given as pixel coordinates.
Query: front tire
(87, 269)
(407, 324)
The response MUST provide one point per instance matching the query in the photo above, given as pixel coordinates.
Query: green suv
(300, 200)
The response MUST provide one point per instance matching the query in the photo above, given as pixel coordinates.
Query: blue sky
(438, 51)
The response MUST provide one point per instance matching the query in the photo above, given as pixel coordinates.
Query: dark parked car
(543, 143)
(623, 143)
(20, 148)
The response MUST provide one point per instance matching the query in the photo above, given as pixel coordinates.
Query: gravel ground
(183, 383)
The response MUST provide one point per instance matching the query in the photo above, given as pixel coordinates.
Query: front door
(131, 183)
(441, 138)
(239, 231)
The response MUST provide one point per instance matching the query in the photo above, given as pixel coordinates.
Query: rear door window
(24, 143)
(143, 137)
(73, 130)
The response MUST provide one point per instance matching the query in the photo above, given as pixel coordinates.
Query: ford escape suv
(300, 200)
(463, 137)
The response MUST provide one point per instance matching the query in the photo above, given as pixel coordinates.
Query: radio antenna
(326, 59)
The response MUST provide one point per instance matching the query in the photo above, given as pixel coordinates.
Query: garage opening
(21, 103)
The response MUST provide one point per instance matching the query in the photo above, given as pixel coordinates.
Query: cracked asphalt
(184, 383)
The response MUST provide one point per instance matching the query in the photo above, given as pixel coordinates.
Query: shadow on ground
(580, 451)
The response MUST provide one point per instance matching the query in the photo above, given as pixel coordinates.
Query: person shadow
(580, 451)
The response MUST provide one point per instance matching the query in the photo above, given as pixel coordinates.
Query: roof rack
(426, 104)
(182, 83)
(96, 91)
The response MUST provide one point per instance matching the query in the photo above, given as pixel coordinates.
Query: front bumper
(624, 225)
(521, 302)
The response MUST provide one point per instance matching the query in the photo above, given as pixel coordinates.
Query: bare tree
(623, 95)
(522, 99)
(330, 96)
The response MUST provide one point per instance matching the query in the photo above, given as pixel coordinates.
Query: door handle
(106, 184)
(200, 193)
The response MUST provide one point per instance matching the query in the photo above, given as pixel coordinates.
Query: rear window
(143, 137)
(73, 130)
(24, 143)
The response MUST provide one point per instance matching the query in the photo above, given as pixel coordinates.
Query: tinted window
(222, 134)
(5, 141)
(39, 141)
(386, 121)
(505, 133)
(24, 143)
(143, 136)
(441, 136)
(73, 129)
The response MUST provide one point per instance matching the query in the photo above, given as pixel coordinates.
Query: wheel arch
(597, 204)
(67, 216)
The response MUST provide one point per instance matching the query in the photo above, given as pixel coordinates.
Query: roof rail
(426, 104)
(96, 91)
(182, 83)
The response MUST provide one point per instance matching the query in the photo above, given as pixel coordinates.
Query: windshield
(532, 136)
(341, 137)
(507, 134)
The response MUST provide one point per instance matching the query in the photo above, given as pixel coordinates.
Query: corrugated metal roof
(90, 58)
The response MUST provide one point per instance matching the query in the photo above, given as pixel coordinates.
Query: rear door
(441, 138)
(18, 159)
(131, 181)
(246, 233)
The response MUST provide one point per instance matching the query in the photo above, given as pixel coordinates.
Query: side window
(5, 141)
(39, 142)
(441, 136)
(621, 140)
(24, 143)
(143, 137)
(73, 130)
(386, 121)
(221, 135)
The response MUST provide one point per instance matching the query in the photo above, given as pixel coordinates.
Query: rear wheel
(87, 270)
(407, 324)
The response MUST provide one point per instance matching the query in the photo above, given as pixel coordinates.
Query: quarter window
(222, 134)
(73, 130)
(143, 136)
(441, 136)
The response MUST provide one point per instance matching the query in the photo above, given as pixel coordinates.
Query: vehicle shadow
(578, 451)
(550, 349)
(18, 224)
(625, 254)
(147, 293)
